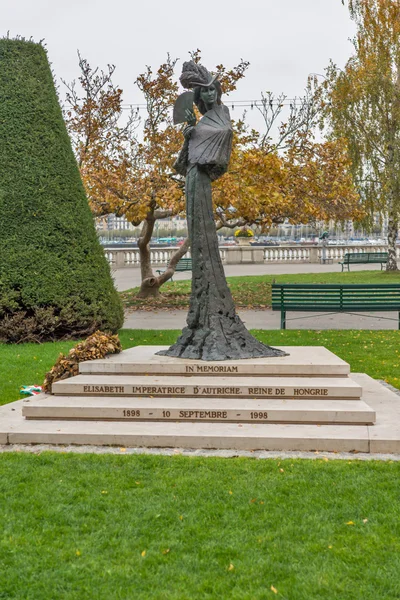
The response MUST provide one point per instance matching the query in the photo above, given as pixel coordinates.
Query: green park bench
(362, 258)
(335, 298)
(185, 264)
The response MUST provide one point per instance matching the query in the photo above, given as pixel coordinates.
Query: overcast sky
(284, 40)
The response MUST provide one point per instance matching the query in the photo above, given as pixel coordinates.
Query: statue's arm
(181, 163)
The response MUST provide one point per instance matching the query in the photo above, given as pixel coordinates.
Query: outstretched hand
(191, 122)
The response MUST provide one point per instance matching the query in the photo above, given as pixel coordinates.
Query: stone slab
(311, 361)
(8, 414)
(333, 438)
(385, 434)
(217, 387)
(383, 437)
(195, 409)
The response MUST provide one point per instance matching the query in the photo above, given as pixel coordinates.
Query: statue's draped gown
(214, 331)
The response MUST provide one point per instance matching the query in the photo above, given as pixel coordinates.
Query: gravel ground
(258, 454)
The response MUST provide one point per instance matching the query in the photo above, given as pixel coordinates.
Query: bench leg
(283, 319)
(399, 320)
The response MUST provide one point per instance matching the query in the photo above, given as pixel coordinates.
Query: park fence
(120, 258)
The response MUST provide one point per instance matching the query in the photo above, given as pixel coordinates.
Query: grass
(126, 527)
(373, 352)
(251, 291)
(174, 528)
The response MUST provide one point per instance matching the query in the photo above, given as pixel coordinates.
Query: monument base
(306, 401)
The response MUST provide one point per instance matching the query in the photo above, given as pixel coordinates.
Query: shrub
(54, 279)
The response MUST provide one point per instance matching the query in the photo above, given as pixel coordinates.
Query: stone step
(310, 361)
(382, 437)
(15, 429)
(206, 387)
(194, 409)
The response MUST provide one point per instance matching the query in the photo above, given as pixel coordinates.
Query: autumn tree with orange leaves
(289, 177)
(128, 170)
(362, 104)
(126, 173)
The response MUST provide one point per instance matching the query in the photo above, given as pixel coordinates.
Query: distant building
(113, 223)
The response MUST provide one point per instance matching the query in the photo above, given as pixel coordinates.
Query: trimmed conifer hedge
(54, 279)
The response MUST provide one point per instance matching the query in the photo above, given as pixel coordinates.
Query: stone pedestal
(305, 401)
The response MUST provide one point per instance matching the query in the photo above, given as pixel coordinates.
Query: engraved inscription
(310, 392)
(148, 389)
(262, 391)
(195, 414)
(101, 389)
(219, 391)
(211, 369)
(203, 414)
(131, 413)
(259, 415)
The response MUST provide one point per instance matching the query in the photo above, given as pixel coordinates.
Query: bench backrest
(184, 263)
(336, 296)
(350, 257)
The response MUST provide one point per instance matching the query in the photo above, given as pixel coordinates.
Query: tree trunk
(392, 237)
(148, 286)
(151, 283)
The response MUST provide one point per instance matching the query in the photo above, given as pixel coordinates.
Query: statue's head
(206, 96)
(207, 89)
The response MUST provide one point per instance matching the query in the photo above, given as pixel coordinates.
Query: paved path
(256, 319)
(129, 278)
(266, 319)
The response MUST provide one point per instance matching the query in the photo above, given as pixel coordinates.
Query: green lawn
(252, 291)
(372, 352)
(129, 527)
(109, 527)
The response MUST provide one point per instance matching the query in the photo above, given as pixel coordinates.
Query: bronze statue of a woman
(214, 331)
